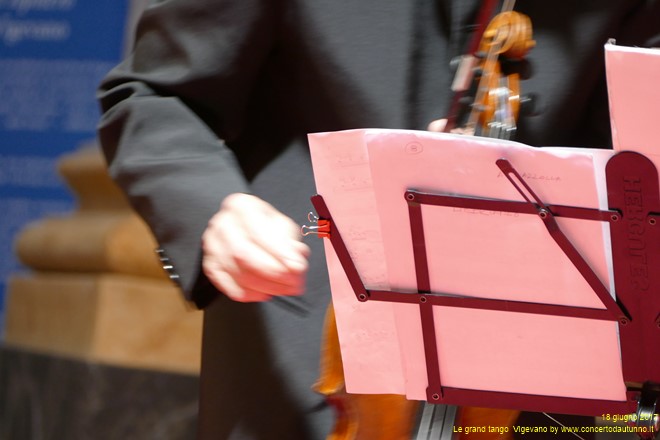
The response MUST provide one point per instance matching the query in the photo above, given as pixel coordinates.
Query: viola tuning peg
(529, 105)
(479, 107)
(465, 100)
(454, 63)
(480, 54)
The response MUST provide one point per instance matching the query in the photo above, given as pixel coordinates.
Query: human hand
(252, 252)
(439, 126)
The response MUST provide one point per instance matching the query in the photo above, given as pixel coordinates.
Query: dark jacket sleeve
(170, 110)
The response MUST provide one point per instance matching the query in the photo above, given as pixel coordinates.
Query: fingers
(252, 252)
(252, 265)
(224, 282)
(277, 235)
(437, 126)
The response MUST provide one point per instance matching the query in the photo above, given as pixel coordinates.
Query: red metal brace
(633, 215)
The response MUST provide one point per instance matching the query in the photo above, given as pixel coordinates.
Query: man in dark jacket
(207, 120)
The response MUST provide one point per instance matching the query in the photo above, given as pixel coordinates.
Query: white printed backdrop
(53, 54)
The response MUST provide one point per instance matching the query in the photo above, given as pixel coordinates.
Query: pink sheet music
(367, 331)
(362, 175)
(632, 84)
(496, 255)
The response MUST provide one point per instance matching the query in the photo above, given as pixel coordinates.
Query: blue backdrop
(53, 54)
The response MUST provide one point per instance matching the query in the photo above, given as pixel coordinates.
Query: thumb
(437, 126)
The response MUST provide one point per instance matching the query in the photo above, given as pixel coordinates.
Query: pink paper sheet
(496, 255)
(634, 96)
(361, 173)
(367, 331)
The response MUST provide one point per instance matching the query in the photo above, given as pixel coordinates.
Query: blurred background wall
(52, 55)
(95, 342)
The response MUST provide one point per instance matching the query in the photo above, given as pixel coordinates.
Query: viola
(496, 106)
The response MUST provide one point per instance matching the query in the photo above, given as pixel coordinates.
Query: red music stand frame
(634, 219)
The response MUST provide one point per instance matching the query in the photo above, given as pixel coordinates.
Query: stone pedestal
(96, 291)
(114, 319)
(98, 344)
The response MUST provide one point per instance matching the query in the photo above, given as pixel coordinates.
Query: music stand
(633, 217)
